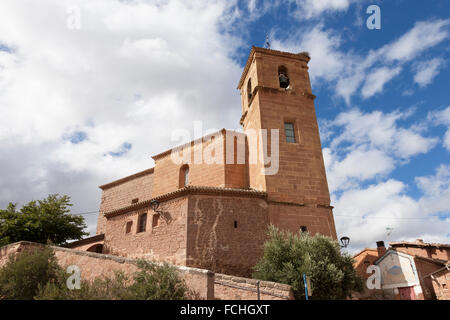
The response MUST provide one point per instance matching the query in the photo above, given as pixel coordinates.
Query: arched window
(283, 77)
(184, 176)
(249, 90)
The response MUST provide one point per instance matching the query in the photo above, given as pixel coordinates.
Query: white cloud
(132, 73)
(442, 117)
(308, 9)
(369, 146)
(364, 213)
(376, 80)
(427, 71)
(361, 73)
(423, 35)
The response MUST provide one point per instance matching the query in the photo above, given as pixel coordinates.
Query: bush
(99, 289)
(151, 282)
(156, 282)
(287, 256)
(27, 271)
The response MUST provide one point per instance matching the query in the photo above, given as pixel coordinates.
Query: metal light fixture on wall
(345, 241)
(154, 205)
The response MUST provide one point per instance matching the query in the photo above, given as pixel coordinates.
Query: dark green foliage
(25, 272)
(41, 221)
(151, 282)
(100, 289)
(156, 282)
(287, 256)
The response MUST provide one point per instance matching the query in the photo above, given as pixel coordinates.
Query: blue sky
(89, 90)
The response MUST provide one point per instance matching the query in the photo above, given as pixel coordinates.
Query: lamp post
(345, 241)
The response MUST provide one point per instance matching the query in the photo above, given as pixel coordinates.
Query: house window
(142, 222)
(289, 132)
(303, 229)
(283, 77)
(128, 226)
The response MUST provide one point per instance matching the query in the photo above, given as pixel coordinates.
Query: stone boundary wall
(200, 281)
(236, 288)
(204, 283)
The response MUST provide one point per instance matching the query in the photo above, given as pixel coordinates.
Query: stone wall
(203, 283)
(162, 240)
(93, 265)
(237, 288)
(122, 192)
(291, 217)
(226, 233)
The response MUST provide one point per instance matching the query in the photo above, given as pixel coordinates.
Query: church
(215, 214)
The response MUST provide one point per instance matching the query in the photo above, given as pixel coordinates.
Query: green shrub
(99, 289)
(151, 282)
(25, 272)
(156, 282)
(287, 256)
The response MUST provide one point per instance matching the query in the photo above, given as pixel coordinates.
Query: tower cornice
(303, 56)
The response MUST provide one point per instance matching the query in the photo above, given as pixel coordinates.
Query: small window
(235, 224)
(184, 176)
(289, 132)
(135, 200)
(142, 223)
(304, 229)
(155, 220)
(249, 90)
(128, 226)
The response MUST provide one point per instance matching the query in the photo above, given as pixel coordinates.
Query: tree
(287, 256)
(41, 221)
(26, 272)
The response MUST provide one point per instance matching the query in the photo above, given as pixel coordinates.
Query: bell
(284, 81)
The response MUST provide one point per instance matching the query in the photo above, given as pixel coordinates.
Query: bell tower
(276, 95)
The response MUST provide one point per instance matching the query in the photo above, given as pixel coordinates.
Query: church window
(249, 90)
(184, 176)
(289, 132)
(155, 220)
(142, 222)
(128, 226)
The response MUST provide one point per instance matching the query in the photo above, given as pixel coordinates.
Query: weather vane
(267, 41)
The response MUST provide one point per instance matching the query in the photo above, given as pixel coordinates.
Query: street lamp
(154, 205)
(345, 241)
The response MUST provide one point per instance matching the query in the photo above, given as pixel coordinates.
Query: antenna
(389, 231)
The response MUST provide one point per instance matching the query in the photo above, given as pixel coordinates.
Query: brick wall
(121, 193)
(425, 251)
(441, 285)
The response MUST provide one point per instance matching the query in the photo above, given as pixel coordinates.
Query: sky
(90, 89)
